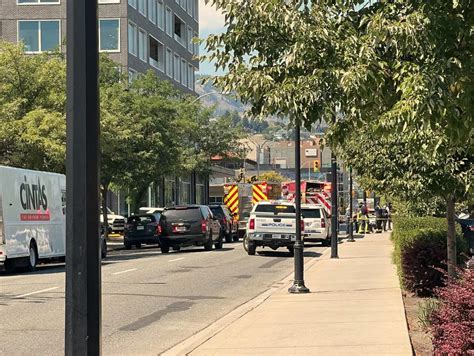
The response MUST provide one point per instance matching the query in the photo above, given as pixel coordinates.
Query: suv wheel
(208, 243)
(251, 248)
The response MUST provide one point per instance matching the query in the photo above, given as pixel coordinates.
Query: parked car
(150, 210)
(117, 222)
(189, 225)
(228, 227)
(142, 229)
(316, 224)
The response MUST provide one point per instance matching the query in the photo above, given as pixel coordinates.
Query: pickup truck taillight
(323, 222)
(203, 226)
(252, 224)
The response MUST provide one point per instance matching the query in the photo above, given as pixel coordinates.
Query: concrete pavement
(355, 308)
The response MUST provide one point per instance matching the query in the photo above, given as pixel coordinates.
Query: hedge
(420, 252)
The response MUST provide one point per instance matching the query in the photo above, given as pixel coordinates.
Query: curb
(190, 344)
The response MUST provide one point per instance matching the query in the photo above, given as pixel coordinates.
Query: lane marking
(127, 270)
(37, 292)
(176, 259)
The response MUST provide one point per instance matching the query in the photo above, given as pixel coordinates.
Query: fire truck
(312, 192)
(241, 197)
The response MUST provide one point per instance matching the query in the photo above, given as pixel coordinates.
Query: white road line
(37, 292)
(127, 270)
(176, 259)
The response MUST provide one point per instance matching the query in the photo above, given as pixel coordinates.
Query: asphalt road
(150, 301)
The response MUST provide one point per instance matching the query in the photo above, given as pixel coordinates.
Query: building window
(157, 54)
(169, 22)
(195, 9)
(152, 11)
(169, 63)
(176, 71)
(196, 46)
(184, 74)
(132, 75)
(190, 7)
(132, 39)
(161, 14)
(142, 45)
(37, 2)
(182, 3)
(109, 35)
(179, 31)
(39, 36)
(133, 3)
(190, 39)
(142, 7)
(190, 76)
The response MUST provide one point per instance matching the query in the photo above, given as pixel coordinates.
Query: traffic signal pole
(83, 269)
(298, 283)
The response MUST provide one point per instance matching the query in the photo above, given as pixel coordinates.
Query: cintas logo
(33, 197)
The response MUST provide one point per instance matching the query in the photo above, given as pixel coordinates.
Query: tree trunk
(451, 238)
(104, 189)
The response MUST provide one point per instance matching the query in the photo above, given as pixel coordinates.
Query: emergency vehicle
(312, 192)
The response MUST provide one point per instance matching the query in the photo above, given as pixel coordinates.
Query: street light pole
(298, 283)
(351, 223)
(83, 269)
(334, 217)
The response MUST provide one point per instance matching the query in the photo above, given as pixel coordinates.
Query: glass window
(195, 9)
(190, 76)
(275, 209)
(196, 45)
(169, 22)
(179, 31)
(311, 213)
(142, 7)
(152, 11)
(132, 39)
(157, 54)
(45, 2)
(39, 36)
(109, 33)
(132, 75)
(177, 71)
(142, 45)
(190, 7)
(184, 73)
(169, 63)
(190, 39)
(161, 14)
(133, 3)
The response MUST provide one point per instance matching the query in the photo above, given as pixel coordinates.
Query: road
(150, 301)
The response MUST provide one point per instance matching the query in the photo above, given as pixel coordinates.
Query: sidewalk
(354, 308)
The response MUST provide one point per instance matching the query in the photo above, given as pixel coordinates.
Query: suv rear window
(311, 213)
(188, 213)
(275, 209)
(142, 219)
(217, 211)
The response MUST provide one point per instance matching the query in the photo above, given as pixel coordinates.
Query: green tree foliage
(272, 177)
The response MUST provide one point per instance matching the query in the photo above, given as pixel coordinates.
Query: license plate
(277, 236)
(140, 227)
(180, 228)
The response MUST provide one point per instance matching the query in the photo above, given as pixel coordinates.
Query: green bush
(420, 252)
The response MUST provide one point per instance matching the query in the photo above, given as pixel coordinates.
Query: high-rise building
(138, 34)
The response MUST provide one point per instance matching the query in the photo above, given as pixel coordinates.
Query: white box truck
(32, 217)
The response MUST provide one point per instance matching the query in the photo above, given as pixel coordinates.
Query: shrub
(426, 309)
(420, 252)
(452, 323)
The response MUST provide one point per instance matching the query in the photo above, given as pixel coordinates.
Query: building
(138, 34)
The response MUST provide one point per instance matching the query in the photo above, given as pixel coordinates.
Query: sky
(210, 21)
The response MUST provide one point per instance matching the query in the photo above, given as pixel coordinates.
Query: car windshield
(142, 219)
(189, 213)
(276, 209)
(311, 213)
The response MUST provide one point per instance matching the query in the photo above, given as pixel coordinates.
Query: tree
(273, 177)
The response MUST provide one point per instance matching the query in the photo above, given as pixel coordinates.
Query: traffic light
(316, 165)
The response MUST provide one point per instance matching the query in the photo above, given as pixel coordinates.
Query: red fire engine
(312, 192)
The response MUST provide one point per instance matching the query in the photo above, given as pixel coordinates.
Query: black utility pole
(298, 284)
(351, 222)
(334, 216)
(83, 282)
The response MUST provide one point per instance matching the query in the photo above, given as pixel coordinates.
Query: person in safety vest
(364, 220)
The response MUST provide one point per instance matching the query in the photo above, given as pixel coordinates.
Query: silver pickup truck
(271, 224)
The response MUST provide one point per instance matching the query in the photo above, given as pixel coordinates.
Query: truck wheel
(291, 250)
(218, 245)
(33, 259)
(245, 242)
(251, 248)
(208, 244)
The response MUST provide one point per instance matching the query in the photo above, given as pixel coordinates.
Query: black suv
(142, 229)
(189, 225)
(227, 222)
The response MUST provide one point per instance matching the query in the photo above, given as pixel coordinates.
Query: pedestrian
(378, 219)
(384, 217)
(364, 219)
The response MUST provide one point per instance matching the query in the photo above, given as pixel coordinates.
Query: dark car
(189, 225)
(228, 228)
(142, 229)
